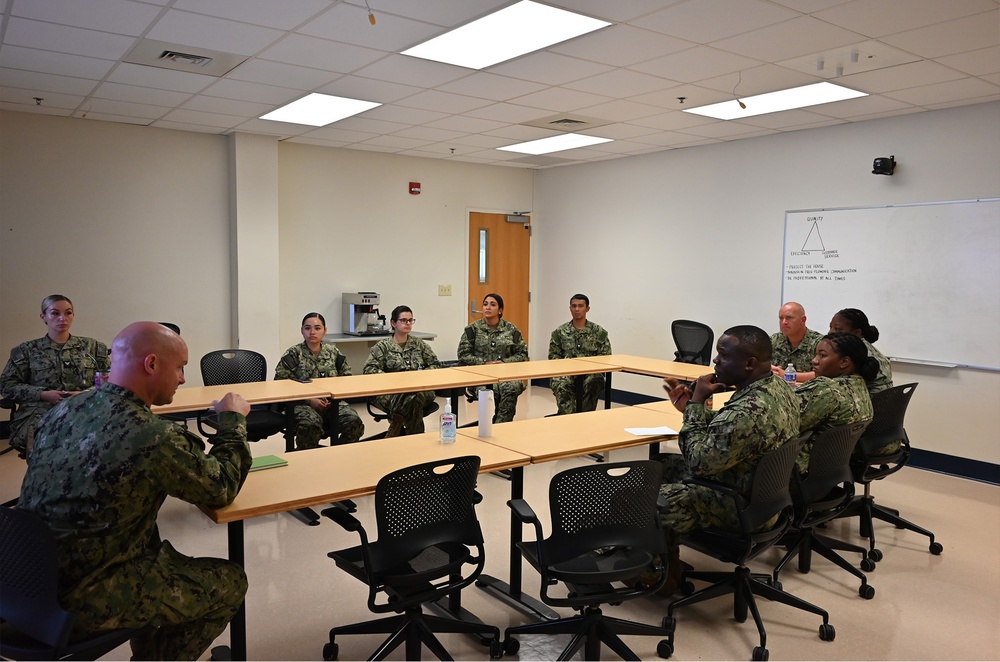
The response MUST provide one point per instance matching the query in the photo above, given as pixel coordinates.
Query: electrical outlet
(444, 290)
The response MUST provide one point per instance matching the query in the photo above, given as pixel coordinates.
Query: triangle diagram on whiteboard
(813, 242)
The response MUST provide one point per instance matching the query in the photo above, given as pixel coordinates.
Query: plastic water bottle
(486, 413)
(447, 425)
(790, 375)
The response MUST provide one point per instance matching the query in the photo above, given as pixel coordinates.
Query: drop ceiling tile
(323, 54)
(349, 24)
(672, 121)
(559, 99)
(860, 107)
(283, 130)
(695, 64)
(809, 6)
(336, 132)
(785, 119)
(439, 12)
(618, 11)
(706, 21)
(516, 133)
(849, 59)
(53, 103)
(619, 83)
(39, 82)
(757, 80)
(428, 134)
(508, 113)
(181, 126)
(443, 102)
(256, 70)
(958, 36)
(189, 29)
(790, 39)
(619, 131)
(490, 142)
(395, 142)
(967, 88)
(405, 69)
(227, 106)
(355, 87)
(621, 110)
(621, 46)
(964, 102)
(167, 79)
(877, 19)
(491, 86)
(65, 39)
(725, 130)
(369, 125)
(976, 63)
(136, 94)
(255, 92)
(124, 108)
(284, 15)
(914, 74)
(120, 119)
(117, 16)
(50, 62)
(403, 115)
(201, 118)
(549, 68)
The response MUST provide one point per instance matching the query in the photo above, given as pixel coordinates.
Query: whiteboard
(927, 275)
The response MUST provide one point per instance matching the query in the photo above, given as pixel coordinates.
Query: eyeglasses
(407, 320)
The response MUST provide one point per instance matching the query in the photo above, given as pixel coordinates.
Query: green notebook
(267, 462)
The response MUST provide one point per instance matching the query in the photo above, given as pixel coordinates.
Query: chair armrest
(523, 512)
(345, 519)
(7, 403)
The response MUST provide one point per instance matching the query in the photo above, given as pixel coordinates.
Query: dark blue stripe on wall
(962, 467)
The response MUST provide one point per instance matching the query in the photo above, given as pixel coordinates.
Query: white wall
(697, 233)
(130, 223)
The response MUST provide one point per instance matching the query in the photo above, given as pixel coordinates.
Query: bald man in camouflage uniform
(299, 363)
(482, 344)
(102, 466)
(578, 338)
(723, 445)
(795, 343)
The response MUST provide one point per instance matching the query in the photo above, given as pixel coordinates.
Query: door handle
(472, 308)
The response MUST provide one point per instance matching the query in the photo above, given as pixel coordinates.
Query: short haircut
(859, 320)
(397, 310)
(753, 340)
(308, 315)
(583, 297)
(54, 298)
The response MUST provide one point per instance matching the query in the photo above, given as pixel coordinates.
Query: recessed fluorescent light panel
(319, 110)
(555, 144)
(773, 102)
(521, 28)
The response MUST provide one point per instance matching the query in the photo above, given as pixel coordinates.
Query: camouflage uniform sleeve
(814, 398)
(376, 359)
(603, 342)
(467, 350)
(345, 368)
(427, 355)
(713, 441)
(212, 479)
(555, 347)
(102, 355)
(287, 364)
(14, 381)
(518, 350)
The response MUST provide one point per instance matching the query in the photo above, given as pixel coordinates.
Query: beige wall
(698, 234)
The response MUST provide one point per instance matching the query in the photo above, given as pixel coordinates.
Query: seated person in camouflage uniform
(494, 340)
(398, 354)
(723, 445)
(794, 343)
(576, 338)
(43, 372)
(102, 466)
(854, 321)
(839, 393)
(312, 359)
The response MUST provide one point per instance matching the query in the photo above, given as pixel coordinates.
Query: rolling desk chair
(693, 341)
(240, 366)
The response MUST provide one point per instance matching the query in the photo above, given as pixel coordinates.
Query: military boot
(395, 426)
(675, 569)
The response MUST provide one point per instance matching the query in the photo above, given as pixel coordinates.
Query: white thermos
(486, 413)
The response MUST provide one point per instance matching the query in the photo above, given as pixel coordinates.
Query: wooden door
(498, 262)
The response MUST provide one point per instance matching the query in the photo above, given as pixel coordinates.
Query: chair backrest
(173, 327)
(829, 460)
(28, 574)
(693, 340)
(770, 493)
(425, 505)
(888, 411)
(602, 505)
(233, 366)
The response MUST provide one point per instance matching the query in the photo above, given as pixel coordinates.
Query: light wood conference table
(329, 474)
(642, 365)
(193, 398)
(556, 438)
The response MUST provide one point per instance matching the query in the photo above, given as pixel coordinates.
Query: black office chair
(7, 403)
(379, 414)
(820, 496)
(173, 327)
(429, 546)
(769, 498)
(693, 340)
(605, 528)
(240, 366)
(871, 462)
(33, 625)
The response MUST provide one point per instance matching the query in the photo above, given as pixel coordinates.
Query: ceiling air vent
(178, 57)
(186, 58)
(567, 123)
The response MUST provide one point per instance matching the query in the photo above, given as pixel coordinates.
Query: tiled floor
(926, 607)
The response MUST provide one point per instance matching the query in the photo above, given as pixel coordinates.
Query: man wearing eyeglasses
(578, 338)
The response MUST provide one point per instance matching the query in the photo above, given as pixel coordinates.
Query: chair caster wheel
(330, 651)
(936, 548)
(511, 646)
(665, 649)
(669, 624)
(687, 588)
(867, 591)
(867, 565)
(875, 555)
(496, 649)
(760, 654)
(827, 632)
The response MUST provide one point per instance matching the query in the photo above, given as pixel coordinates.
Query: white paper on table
(651, 432)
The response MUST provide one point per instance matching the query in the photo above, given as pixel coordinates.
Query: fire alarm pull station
(414, 188)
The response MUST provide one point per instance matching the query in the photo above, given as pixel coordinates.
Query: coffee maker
(360, 314)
